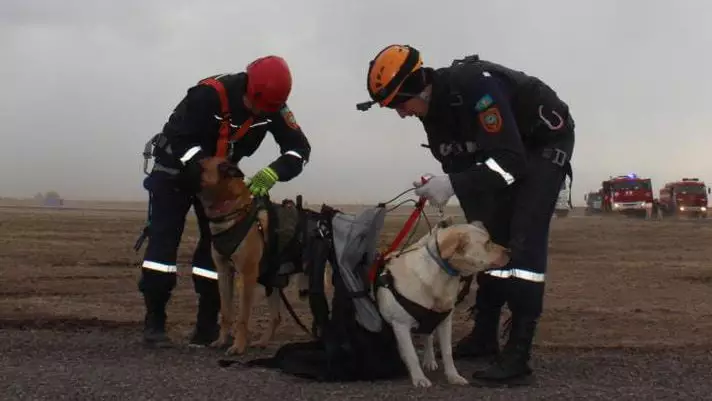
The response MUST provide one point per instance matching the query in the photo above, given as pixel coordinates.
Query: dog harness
(226, 242)
(427, 319)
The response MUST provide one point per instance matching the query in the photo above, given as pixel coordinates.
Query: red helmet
(268, 83)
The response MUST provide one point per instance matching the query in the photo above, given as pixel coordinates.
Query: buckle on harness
(559, 156)
(148, 150)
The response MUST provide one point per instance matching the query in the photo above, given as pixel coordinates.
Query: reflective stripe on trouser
(517, 273)
(199, 271)
(159, 267)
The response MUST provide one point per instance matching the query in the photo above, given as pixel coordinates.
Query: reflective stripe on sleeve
(494, 166)
(190, 154)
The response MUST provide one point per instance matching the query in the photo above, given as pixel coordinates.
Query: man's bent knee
(154, 280)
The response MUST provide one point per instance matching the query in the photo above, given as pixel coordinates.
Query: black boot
(206, 325)
(482, 341)
(511, 367)
(154, 329)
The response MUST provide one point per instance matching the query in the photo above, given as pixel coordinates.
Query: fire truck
(685, 197)
(628, 195)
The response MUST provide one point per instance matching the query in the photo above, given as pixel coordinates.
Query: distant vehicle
(686, 197)
(628, 195)
(53, 202)
(594, 203)
(563, 204)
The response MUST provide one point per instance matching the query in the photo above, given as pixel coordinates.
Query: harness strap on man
(224, 132)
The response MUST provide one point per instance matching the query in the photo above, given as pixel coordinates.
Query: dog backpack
(352, 343)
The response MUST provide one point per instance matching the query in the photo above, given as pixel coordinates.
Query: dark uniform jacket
(483, 121)
(192, 131)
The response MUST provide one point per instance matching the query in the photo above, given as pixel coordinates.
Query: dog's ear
(452, 242)
(497, 253)
(491, 245)
(230, 170)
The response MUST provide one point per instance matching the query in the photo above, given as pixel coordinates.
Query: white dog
(416, 292)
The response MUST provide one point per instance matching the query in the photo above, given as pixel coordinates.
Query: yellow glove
(263, 181)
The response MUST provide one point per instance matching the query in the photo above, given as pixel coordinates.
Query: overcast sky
(86, 83)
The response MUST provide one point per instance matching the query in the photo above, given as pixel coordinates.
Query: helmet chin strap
(426, 93)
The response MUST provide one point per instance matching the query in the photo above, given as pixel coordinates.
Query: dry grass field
(628, 315)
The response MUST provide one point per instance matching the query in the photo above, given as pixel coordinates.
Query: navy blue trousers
(169, 204)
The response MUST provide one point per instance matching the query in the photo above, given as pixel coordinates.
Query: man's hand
(437, 190)
(263, 181)
(423, 179)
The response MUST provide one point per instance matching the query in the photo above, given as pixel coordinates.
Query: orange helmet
(388, 70)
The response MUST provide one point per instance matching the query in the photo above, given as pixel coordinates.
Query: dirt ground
(628, 315)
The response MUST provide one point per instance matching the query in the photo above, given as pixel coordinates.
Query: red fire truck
(628, 195)
(685, 197)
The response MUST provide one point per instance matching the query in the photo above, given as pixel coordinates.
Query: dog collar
(444, 264)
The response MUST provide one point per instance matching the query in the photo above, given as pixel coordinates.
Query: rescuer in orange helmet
(504, 140)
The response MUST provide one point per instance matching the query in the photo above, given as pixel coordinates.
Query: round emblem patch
(289, 118)
(491, 120)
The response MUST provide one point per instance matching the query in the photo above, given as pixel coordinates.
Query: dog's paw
(235, 349)
(219, 343)
(421, 381)
(430, 364)
(456, 379)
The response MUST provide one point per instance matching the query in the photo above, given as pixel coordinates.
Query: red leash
(380, 259)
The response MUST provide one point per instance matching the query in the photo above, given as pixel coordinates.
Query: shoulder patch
(484, 103)
(288, 117)
(491, 120)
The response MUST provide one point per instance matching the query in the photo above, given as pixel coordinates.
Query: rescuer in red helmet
(225, 115)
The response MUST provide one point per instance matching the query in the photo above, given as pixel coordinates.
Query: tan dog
(429, 276)
(227, 202)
